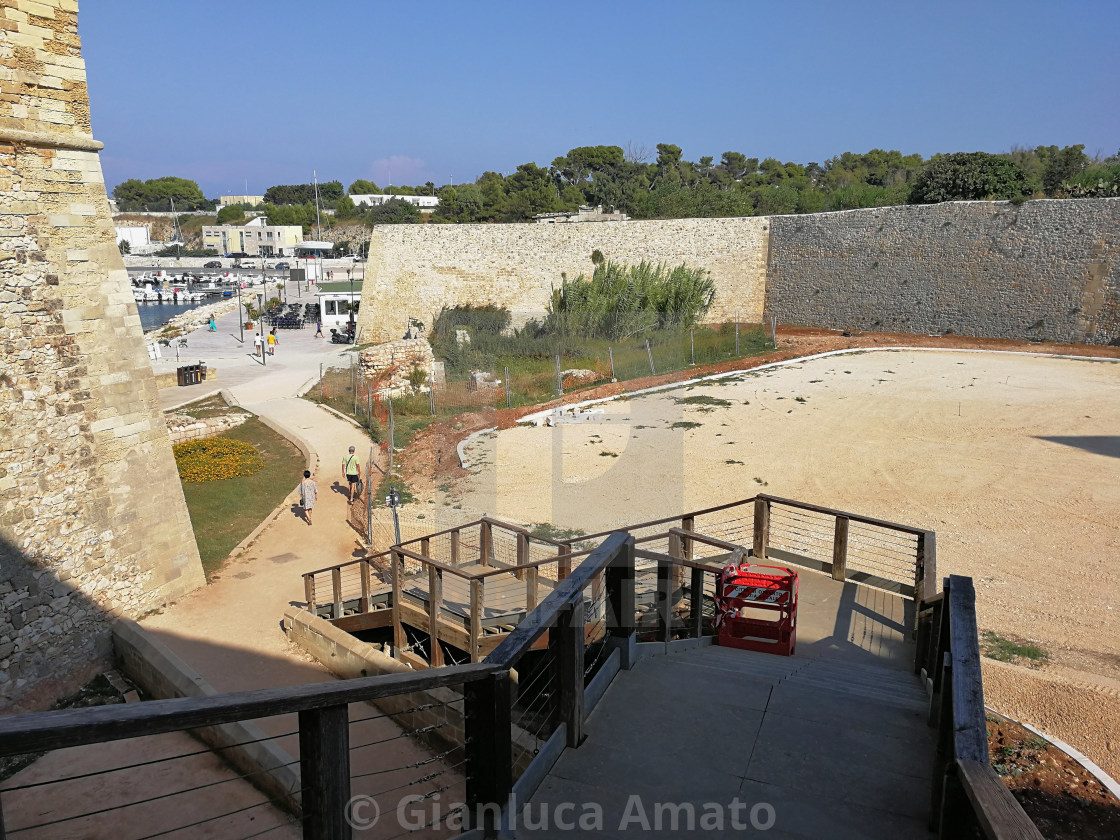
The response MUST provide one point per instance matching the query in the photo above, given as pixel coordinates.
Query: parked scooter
(343, 336)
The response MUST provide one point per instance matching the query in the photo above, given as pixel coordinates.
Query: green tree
(124, 247)
(968, 176)
(157, 194)
(344, 208)
(231, 214)
(364, 187)
(1064, 165)
(395, 211)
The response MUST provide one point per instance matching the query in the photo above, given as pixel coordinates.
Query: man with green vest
(353, 470)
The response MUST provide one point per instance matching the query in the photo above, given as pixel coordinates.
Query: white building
(424, 202)
(138, 237)
(256, 238)
(334, 307)
(246, 200)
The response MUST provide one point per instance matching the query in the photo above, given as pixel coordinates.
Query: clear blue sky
(264, 91)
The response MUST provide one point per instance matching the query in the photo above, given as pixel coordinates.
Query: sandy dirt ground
(1014, 461)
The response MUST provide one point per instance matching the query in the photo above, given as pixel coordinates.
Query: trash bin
(182, 374)
(196, 375)
(202, 368)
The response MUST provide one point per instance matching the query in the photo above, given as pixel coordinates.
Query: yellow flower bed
(216, 458)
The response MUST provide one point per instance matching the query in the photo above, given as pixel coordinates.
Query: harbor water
(153, 315)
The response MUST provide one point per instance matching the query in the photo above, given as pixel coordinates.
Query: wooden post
(309, 592)
(485, 543)
(943, 758)
(364, 570)
(564, 565)
(522, 554)
(336, 592)
(566, 639)
(531, 575)
(489, 750)
(620, 593)
(426, 547)
(664, 601)
(696, 603)
(435, 603)
(324, 762)
(840, 549)
(761, 527)
(688, 523)
(476, 620)
(455, 547)
(399, 641)
(925, 572)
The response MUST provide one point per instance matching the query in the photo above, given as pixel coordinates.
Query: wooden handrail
(518, 529)
(444, 531)
(998, 812)
(428, 561)
(42, 731)
(677, 518)
(364, 559)
(970, 731)
(854, 517)
(534, 625)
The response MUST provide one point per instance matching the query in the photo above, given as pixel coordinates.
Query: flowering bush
(216, 458)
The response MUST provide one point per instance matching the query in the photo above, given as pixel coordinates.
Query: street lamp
(353, 329)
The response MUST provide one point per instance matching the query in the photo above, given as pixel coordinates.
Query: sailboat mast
(318, 227)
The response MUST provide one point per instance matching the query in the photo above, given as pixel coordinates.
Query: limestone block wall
(388, 366)
(92, 518)
(1047, 270)
(415, 270)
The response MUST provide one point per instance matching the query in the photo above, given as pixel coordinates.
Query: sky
(240, 95)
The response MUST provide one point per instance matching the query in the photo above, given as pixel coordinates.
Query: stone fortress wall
(415, 270)
(1047, 270)
(93, 524)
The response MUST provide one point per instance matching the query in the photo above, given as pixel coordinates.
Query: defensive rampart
(1044, 270)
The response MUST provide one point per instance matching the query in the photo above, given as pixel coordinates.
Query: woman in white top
(308, 492)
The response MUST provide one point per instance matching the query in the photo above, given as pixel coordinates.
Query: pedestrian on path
(318, 327)
(213, 324)
(258, 344)
(272, 342)
(308, 493)
(352, 468)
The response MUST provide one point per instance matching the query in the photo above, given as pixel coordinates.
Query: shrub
(216, 458)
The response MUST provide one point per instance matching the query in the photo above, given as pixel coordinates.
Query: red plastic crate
(759, 587)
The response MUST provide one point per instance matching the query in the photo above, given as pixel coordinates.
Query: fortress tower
(93, 524)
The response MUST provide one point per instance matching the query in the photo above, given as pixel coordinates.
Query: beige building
(247, 200)
(256, 238)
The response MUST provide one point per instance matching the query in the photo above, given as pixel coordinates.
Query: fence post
(774, 331)
(397, 560)
(369, 498)
(692, 345)
(364, 571)
(320, 381)
(840, 549)
(649, 353)
(324, 763)
(736, 338)
(566, 638)
(455, 547)
(485, 542)
(665, 592)
(507, 388)
(620, 599)
(559, 378)
(610, 354)
(336, 592)
(309, 592)
(435, 604)
(489, 750)
(476, 619)
(564, 565)
(761, 527)
(432, 397)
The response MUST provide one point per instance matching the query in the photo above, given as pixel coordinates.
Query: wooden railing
(489, 563)
(967, 793)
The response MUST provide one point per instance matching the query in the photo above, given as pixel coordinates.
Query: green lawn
(224, 513)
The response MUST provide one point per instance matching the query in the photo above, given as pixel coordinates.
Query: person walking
(258, 344)
(318, 327)
(352, 469)
(308, 493)
(213, 324)
(272, 342)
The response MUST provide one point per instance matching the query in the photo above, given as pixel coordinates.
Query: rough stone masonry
(93, 524)
(1047, 270)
